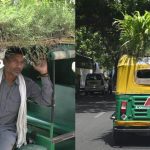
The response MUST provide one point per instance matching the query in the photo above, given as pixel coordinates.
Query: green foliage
(32, 20)
(99, 17)
(135, 33)
(35, 23)
(35, 54)
(88, 43)
(91, 44)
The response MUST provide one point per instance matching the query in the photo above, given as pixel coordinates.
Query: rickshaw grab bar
(63, 137)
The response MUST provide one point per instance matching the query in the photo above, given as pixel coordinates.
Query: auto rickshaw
(52, 128)
(132, 97)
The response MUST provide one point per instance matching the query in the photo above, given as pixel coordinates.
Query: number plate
(142, 107)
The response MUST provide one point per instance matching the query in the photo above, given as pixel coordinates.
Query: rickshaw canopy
(133, 75)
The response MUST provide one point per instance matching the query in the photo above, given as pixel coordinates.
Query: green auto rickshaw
(132, 113)
(52, 128)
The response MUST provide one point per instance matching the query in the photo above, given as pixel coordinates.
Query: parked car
(96, 82)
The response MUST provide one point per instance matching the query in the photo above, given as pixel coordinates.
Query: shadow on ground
(95, 103)
(131, 140)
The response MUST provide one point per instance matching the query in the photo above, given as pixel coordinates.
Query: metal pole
(53, 100)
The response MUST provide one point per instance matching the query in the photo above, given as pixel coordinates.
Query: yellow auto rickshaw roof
(126, 60)
(127, 81)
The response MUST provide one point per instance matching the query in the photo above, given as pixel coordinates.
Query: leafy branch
(135, 34)
(32, 20)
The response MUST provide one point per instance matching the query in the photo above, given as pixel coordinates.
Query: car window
(94, 77)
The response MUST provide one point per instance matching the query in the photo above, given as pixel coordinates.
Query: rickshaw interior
(52, 128)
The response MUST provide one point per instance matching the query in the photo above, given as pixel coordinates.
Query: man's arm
(42, 95)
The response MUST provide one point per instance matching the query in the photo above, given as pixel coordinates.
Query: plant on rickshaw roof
(25, 23)
(134, 33)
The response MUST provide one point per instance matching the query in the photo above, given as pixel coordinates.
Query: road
(94, 127)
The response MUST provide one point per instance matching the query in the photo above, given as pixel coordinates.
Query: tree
(91, 44)
(98, 16)
(88, 42)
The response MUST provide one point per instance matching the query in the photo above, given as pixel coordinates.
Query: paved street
(94, 127)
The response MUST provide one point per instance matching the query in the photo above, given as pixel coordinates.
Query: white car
(96, 82)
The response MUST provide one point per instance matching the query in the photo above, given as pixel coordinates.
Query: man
(14, 89)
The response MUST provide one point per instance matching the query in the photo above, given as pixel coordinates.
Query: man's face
(14, 64)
